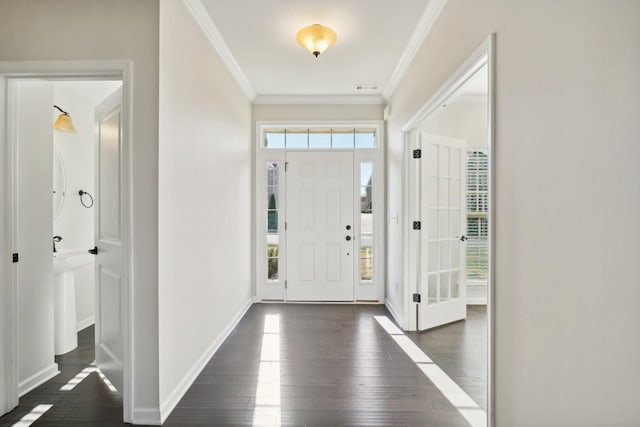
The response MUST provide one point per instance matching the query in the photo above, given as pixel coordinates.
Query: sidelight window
(366, 221)
(273, 237)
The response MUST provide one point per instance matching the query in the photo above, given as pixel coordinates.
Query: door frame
(56, 70)
(373, 292)
(483, 55)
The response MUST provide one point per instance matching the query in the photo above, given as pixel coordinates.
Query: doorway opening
(449, 190)
(320, 212)
(67, 225)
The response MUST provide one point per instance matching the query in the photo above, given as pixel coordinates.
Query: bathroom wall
(75, 223)
(111, 30)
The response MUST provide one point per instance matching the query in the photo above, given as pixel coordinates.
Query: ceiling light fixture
(63, 122)
(316, 38)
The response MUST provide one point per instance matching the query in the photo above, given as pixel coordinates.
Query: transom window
(320, 138)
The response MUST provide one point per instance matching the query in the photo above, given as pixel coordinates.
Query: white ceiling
(94, 91)
(260, 35)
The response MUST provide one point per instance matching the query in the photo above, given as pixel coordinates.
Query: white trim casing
(37, 379)
(428, 18)
(208, 27)
(319, 99)
(275, 291)
(483, 55)
(79, 70)
(173, 399)
(85, 323)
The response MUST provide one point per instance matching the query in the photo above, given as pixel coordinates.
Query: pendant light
(63, 122)
(316, 38)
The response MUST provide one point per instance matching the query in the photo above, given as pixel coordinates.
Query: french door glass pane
(432, 292)
(444, 286)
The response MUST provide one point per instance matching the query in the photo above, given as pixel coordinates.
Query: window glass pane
(432, 292)
(272, 198)
(274, 138)
(444, 286)
(366, 262)
(365, 138)
(272, 263)
(319, 138)
(342, 138)
(272, 174)
(297, 138)
(272, 221)
(477, 245)
(455, 285)
(366, 173)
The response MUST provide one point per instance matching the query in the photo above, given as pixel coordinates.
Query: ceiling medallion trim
(429, 17)
(206, 24)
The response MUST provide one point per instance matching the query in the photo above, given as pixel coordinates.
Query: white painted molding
(85, 323)
(146, 416)
(429, 17)
(172, 400)
(394, 313)
(470, 99)
(37, 379)
(319, 99)
(206, 24)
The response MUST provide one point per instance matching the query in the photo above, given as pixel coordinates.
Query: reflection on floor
(79, 397)
(294, 365)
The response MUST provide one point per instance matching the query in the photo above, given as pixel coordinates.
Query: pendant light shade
(63, 122)
(316, 38)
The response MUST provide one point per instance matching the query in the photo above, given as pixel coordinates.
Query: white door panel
(109, 260)
(319, 209)
(442, 177)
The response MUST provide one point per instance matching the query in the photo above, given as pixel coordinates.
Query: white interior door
(109, 229)
(319, 226)
(443, 215)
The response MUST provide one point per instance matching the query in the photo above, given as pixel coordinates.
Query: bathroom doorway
(66, 193)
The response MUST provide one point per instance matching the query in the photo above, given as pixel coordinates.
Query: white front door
(443, 215)
(109, 229)
(319, 226)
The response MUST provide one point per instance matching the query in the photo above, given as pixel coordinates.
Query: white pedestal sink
(64, 297)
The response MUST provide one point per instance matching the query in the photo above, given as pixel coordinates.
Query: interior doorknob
(463, 238)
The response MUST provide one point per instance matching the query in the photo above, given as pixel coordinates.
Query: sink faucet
(56, 239)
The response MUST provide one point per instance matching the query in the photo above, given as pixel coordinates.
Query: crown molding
(319, 99)
(429, 17)
(204, 21)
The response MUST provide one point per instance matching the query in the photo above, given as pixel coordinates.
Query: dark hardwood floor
(294, 365)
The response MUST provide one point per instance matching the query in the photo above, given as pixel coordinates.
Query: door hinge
(285, 225)
(285, 284)
(417, 225)
(416, 297)
(417, 154)
(15, 257)
(286, 166)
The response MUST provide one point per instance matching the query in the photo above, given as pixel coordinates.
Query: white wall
(467, 121)
(567, 197)
(75, 222)
(34, 138)
(110, 30)
(205, 202)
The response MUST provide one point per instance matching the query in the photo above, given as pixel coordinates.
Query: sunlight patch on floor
(32, 416)
(470, 410)
(267, 407)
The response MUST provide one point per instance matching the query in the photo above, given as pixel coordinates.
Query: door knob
(348, 238)
(463, 238)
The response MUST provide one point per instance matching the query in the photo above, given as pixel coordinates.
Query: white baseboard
(394, 312)
(146, 416)
(172, 400)
(37, 379)
(85, 323)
